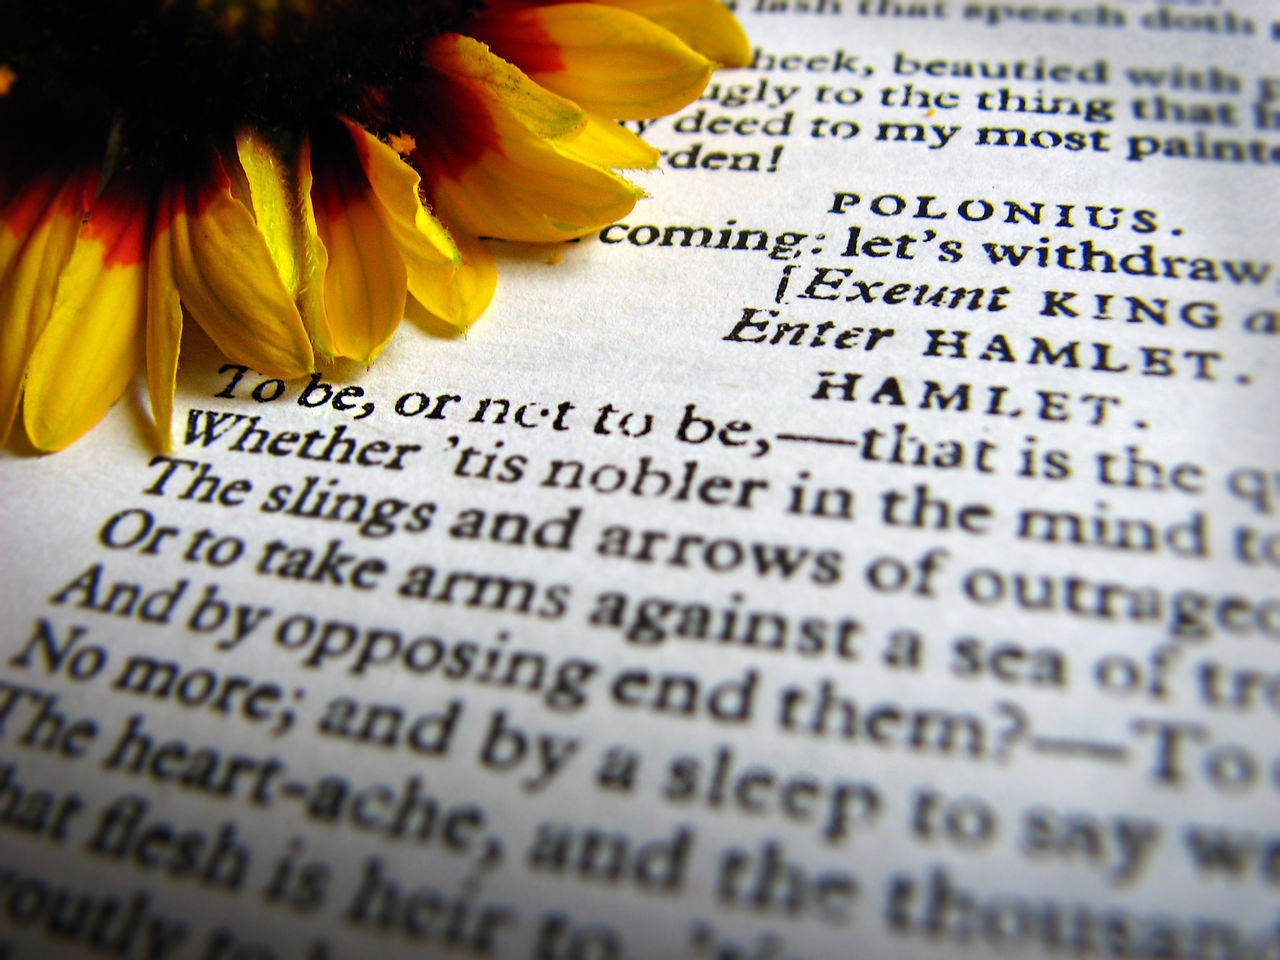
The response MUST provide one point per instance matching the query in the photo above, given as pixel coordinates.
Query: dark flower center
(167, 74)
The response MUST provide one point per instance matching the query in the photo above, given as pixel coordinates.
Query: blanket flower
(295, 175)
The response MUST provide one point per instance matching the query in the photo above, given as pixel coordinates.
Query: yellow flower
(294, 175)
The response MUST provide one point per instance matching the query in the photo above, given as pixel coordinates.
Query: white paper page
(867, 548)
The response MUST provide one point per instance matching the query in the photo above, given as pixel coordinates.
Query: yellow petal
(164, 321)
(93, 343)
(608, 144)
(37, 233)
(365, 283)
(279, 181)
(607, 60)
(540, 111)
(460, 295)
(487, 173)
(706, 25)
(429, 254)
(532, 192)
(228, 282)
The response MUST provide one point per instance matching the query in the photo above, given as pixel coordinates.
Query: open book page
(868, 548)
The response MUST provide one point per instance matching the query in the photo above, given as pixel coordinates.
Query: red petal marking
(338, 176)
(451, 126)
(508, 6)
(203, 186)
(120, 220)
(35, 201)
(129, 213)
(529, 47)
(31, 204)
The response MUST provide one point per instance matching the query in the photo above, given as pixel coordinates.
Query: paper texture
(868, 548)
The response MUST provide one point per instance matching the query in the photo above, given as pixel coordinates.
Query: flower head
(293, 175)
